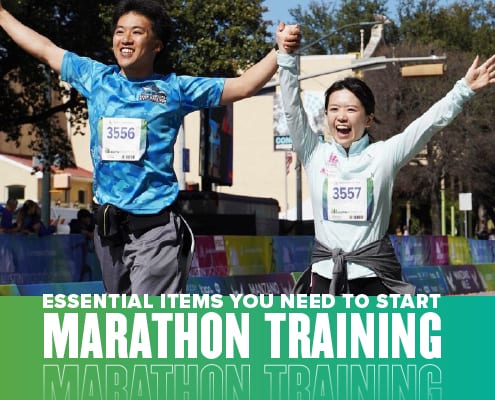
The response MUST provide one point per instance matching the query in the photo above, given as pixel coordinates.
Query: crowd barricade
(272, 283)
(412, 250)
(207, 285)
(487, 272)
(482, 251)
(246, 264)
(291, 253)
(427, 279)
(459, 253)
(449, 265)
(463, 279)
(248, 255)
(9, 290)
(56, 258)
(439, 250)
(210, 258)
(421, 250)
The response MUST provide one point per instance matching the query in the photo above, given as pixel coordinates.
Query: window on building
(15, 191)
(81, 197)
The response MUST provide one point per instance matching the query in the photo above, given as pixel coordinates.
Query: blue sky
(279, 9)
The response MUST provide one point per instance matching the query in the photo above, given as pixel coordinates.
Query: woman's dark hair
(157, 14)
(360, 89)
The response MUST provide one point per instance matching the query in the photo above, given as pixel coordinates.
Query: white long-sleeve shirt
(351, 191)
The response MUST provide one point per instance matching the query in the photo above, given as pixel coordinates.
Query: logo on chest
(329, 165)
(153, 93)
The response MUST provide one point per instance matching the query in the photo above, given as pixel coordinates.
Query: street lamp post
(379, 20)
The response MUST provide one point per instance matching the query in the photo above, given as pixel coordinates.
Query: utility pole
(45, 161)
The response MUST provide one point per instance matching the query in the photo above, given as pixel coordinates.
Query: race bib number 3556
(122, 139)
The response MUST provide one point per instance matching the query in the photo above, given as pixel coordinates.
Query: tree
(316, 22)
(458, 156)
(207, 38)
(218, 37)
(32, 100)
(324, 17)
(462, 30)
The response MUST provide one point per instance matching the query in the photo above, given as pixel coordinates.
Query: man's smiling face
(135, 46)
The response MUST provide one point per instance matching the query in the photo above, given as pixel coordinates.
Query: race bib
(348, 200)
(122, 139)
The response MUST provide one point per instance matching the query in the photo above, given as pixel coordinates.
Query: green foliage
(217, 37)
(328, 29)
(316, 22)
(464, 25)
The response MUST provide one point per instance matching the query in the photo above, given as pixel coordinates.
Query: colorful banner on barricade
(54, 258)
(491, 245)
(427, 279)
(487, 274)
(439, 251)
(481, 251)
(66, 288)
(247, 347)
(459, 253)
(395, 240)
(462, 279)
(292, 253)
(9, 290)
(274, 283)
(209, 256)
(414, 250)
(207, 285)
(248, 255)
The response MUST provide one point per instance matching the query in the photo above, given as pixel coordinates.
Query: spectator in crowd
(29, 220)
(482, 230)
(83, 224)
(7, 215)
(490, 225)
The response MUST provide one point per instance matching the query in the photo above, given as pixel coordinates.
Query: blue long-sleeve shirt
(6, 217)
(366, 172)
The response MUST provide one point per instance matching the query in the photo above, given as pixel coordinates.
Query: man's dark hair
(12, 202)
(161, 23)
(83, 213)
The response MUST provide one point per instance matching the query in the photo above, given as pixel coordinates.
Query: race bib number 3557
(348, 200)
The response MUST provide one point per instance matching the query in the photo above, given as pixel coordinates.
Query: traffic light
(422, 70)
